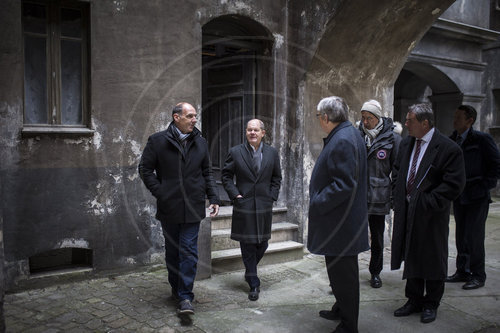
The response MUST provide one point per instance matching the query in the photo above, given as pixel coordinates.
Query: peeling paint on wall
(102, 204)
(130, 261)
(72, 242)
(136, 150)
(239, 5)
(133, 176)
(156, 258)
(97, 139)
(117, 178)
(119, 139)
(119, 5)
(279, 40)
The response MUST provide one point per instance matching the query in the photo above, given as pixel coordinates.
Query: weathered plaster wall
(85, 192)
(62, 191)
(475, 12)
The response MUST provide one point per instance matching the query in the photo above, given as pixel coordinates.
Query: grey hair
(335, 108)
(261, 123)
(423, 112)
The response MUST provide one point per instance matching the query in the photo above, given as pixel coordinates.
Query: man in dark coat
(482, 168)
(338, 220)
(382, 145)
(256, 168)
(428, 174)
(175, 167)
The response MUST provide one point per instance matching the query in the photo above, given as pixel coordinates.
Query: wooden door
(228, 104)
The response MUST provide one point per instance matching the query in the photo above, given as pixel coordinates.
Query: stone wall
(62, 191)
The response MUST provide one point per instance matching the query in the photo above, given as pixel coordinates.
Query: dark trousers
(434, 290)
(377, 227)
(469, 237)
(343, 273)
(251, 255)
(181, 256)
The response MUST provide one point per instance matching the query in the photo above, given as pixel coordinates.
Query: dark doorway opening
(420, 82)
(60, 259)
(236, 83)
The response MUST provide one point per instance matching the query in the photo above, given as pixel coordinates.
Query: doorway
(419, 82)
(235, 54)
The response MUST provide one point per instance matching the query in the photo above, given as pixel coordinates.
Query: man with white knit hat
(382, 145)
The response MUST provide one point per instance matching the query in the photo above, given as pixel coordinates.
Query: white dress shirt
(423, 147)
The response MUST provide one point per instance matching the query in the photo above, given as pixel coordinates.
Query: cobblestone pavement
(292, 294)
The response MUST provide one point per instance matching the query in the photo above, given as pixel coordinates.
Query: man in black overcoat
(175, 167)
(255, 166)
(428, 174)
(338, 213)
(482, 169)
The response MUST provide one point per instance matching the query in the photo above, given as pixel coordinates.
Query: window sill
(56, 130)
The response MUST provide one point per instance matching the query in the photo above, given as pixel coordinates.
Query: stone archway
(420, 82)
(360, 55)
(363, 50)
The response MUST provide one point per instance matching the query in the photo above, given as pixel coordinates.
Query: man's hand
(215, 210)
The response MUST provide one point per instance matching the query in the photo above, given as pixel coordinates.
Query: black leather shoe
(407, 310)
(473, 284)
(458, 277)
(428, 315)
(253, 295)
(329, 314)
(375, 281)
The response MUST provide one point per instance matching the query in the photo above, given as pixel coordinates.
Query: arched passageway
(419, 82)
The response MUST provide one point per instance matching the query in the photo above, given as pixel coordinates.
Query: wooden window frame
(53, 80)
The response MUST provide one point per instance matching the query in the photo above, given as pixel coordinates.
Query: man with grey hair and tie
(428, 174)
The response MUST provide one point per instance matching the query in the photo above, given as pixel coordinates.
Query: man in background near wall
(482, 169)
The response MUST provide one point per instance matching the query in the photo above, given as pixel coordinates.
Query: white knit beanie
(373, 107)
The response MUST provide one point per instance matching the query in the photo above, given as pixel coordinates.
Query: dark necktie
(459, 140)
(256, 161)
(413, 169)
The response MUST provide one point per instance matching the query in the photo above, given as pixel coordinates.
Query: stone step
(280, 232)
(230, 260)
(223, 220)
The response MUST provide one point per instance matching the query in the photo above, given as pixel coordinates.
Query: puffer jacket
(381, 156)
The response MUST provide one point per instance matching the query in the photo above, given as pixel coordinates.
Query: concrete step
(223, 220)
(280, 232)
(230, 260)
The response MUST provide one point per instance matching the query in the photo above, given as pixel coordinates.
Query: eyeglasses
(319, 114)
